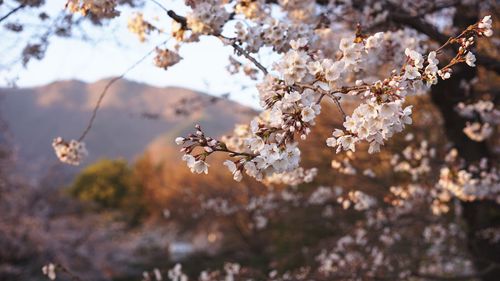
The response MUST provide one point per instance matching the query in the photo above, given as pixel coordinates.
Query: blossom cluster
(155, 275)
(258, 160)
(139, 26)
(176, 274)
(439, 240)
(251, 9)
(166, 58)
(371, 122)
(483, 108)
(358, 200)
(258, 207)
(444, 258)
(231, 271)
(292, 101)
(98, 8)
(414, 160)
(274, 33)
(207, 17)
(50, 271)
(344, 165)
(293, 178)
(350, 255)
(71, 152)
(323, 194)
(484, 113)
(477, 131)
(485, 27)
(473, 183)
(405, 197)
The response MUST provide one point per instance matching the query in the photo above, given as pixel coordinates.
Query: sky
(113, 49)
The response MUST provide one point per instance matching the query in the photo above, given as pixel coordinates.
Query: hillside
(131, 117)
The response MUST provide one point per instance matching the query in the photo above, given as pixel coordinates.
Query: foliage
(110, 184)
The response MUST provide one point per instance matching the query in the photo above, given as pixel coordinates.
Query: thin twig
(235, 153)
(320, 98)
(335, 99)
(242, 51)
(337, 102)
(12, 12)
(105, 90)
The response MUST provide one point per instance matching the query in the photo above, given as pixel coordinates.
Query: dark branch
(177, 18)
(180, 19)
(105, 90)
(241, 51)
(12, 12)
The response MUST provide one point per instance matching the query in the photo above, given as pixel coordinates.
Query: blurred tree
(110, 184)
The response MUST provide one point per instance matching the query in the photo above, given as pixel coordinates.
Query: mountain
(131, 116)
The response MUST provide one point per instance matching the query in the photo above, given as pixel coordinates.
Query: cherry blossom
(71, 152)
(50, 271)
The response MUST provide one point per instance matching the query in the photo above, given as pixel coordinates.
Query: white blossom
(71, 152)
(50, 271)
(470, 59)
(207, 17)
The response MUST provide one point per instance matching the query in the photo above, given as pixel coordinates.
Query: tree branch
(105, 90)
(12, 12)
(241, 51)
(428, 29)
(180, 19)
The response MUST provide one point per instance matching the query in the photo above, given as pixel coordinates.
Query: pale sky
(203, 66)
